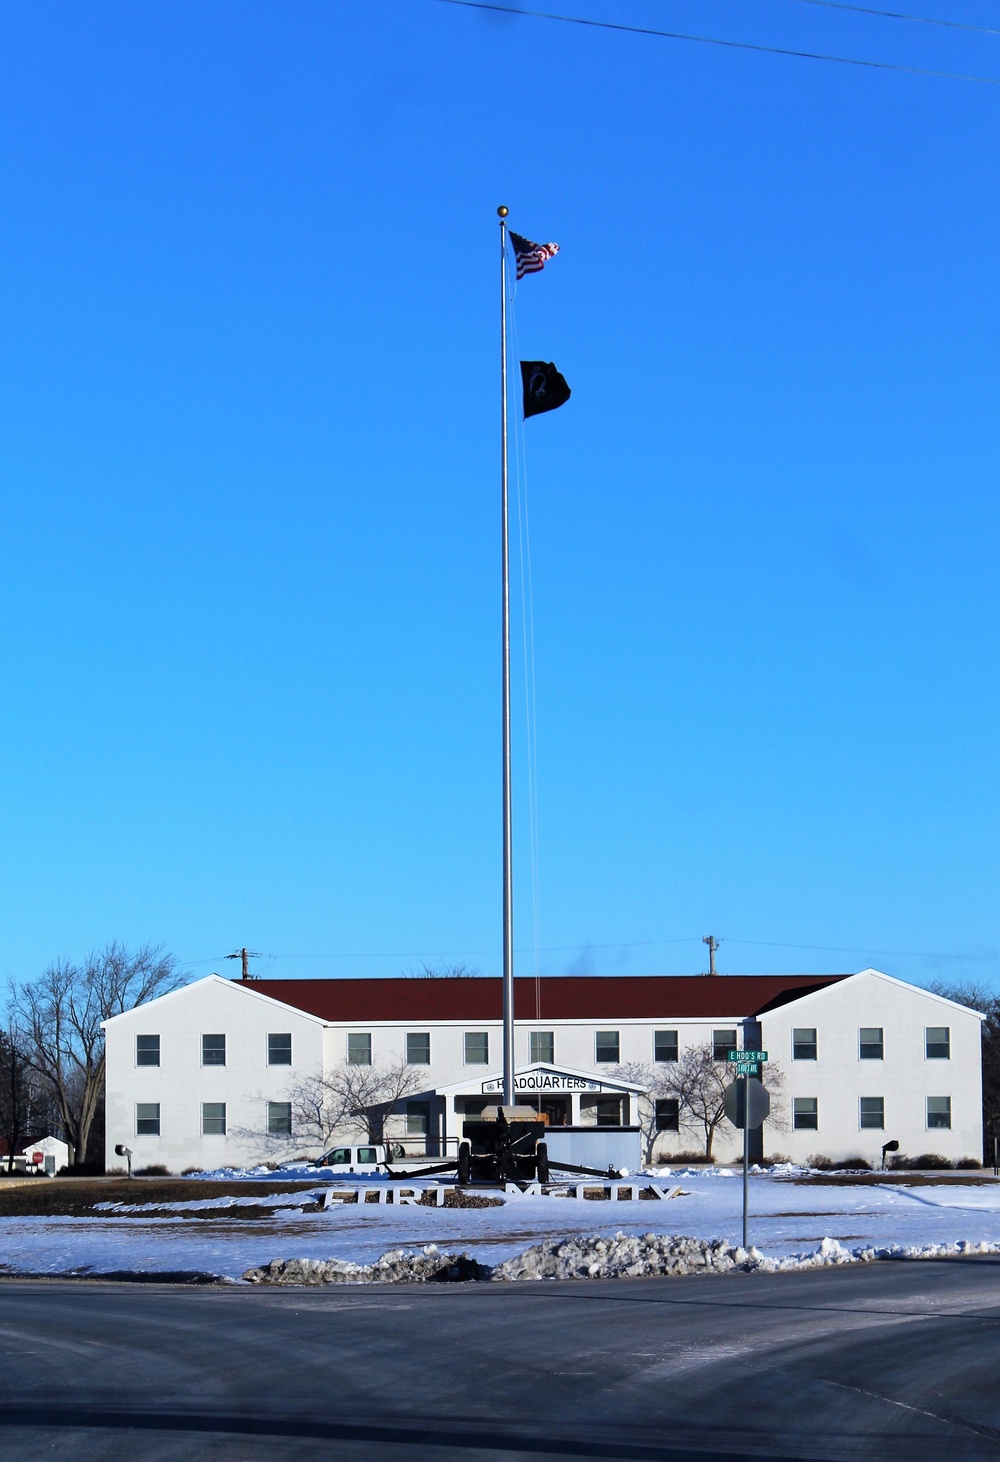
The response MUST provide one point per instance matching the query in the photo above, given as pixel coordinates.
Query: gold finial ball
(502, 211)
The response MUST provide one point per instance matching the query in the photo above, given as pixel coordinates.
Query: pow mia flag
(544, 387)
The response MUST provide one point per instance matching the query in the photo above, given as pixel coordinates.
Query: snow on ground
(786, 1218)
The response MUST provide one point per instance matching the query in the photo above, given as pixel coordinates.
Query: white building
(213, 1073)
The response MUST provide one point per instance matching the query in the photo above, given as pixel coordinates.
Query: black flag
(544, 387)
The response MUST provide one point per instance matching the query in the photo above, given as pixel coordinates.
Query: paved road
(893, 1361)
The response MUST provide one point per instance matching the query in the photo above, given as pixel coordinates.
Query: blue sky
(249, 467)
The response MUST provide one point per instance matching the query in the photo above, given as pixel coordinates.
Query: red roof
(562, 997)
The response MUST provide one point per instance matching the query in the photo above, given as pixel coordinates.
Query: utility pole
(713, 945)
(245, 955)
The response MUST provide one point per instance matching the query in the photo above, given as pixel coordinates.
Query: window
(279, 1049)
(279, 1119)
(873, 1112)
(938, 1042)
(213, 1050)
(418, 1048)
(147, 1050)
(722, 1043)
(367, 1154)
(542, 1045)
(939, 1112)
(213, 1119)
(805, 1114)
(607, 1047)
(870, 1044)
(359, 1048)
(608, 1111)
(338, 1156)
(147, 1119)
(667, 1114)
(418, 1119)
(665, 1049)
(804, 1043)
(477, 1048)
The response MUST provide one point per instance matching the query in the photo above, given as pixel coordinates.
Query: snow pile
(624, 1256)
(397, 1266)
(595, 1256)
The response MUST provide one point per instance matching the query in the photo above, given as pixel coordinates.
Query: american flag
(531, 257)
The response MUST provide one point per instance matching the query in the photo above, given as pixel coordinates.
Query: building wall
(904, 1079)
(181, 1083)
(837, 1079)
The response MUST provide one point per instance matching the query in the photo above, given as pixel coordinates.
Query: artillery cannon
(505, 1145)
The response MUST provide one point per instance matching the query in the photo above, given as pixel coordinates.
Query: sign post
(756, 1105)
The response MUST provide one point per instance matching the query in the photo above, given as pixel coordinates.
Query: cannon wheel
(464, 1163)
(542, 1162)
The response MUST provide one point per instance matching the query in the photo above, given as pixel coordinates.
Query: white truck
(356, 1157)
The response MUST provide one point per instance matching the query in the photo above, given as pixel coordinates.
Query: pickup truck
(367, 1157)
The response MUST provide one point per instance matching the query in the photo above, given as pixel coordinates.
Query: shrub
(186, 1172)
(968, 1162)
(155, 1170)
(776, 1157)
(821, 1162)
(674, 1159)
(849, 1164)
(900, 1160)
(932, 1160)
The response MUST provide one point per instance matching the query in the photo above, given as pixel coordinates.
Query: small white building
(213, 1074)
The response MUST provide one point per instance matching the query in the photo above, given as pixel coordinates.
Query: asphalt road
(889, 1361)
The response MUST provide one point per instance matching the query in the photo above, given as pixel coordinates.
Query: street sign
(736, 1056)
(758, 1101)
(747, 1068)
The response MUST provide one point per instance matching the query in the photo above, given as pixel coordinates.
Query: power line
(674, 35)
(983, 30)
(862, 949)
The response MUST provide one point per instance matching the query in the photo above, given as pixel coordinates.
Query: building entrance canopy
(542, 1080)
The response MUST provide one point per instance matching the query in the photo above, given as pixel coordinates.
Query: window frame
(673, 1125)
(474, 1061)
(214, 1036)
(866, 1056)
(675, 1044)
(806, 1125)
(614, 1060)
(359, 1036)
(937, 1056)
(937, 1126)
(864, 1126)
(147, 1037)
(279, 1036)
(534, 1037)
(424, 1036)
(725, 1048)
(798, 1045)
(205, 1131)
(148, 1106)
(276, 1131)
(415, 1113)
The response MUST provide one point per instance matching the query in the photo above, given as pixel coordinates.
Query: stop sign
(38, 1158)
(758, 1101)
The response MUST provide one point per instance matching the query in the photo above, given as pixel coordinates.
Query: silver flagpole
(508, 886)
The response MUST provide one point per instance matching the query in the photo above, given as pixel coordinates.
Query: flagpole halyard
(508, 885)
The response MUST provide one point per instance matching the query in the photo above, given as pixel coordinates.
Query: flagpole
(508, 887)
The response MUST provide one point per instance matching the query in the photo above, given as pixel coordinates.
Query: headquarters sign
(537, 1083)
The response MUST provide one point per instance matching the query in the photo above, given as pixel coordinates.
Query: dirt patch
(77, 1197)
(896, 1180)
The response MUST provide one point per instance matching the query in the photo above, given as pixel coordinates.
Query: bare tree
(427, 971)
(698, 1082)
(58, 1023)
(21, 1113)
(349, 1099)
(639, 1074)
